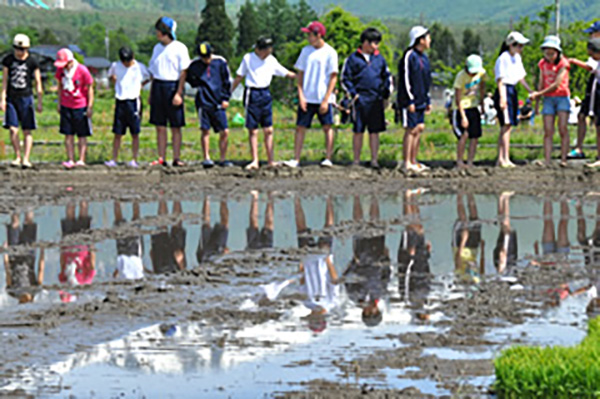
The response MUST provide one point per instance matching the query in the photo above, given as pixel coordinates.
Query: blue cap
(595, 27)
(171, 26)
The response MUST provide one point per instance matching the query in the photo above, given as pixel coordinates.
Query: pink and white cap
(63, 57)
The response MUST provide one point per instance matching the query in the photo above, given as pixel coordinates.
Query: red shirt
(77, 96)
(549, 75)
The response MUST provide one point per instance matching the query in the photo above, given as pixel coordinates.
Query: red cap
(315, 27)
(63, 57)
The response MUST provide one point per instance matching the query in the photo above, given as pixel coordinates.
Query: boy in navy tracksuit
(210, 75)
(367, 79)
(414, 80)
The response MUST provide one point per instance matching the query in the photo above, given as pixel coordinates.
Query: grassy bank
(551, 372)
(438, 142)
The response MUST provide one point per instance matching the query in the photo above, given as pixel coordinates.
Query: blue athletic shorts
(74, 122)
(162, 110)
(368, 116)
(413, 119)
(259, 108)
(212, 117)
(554, 105)
(20, 111)
(509, 116)
(305, 118)
(128, 115)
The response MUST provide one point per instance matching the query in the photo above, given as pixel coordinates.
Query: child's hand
(177, 100)
(324, 107)
(503, 103)
(40, 107)
(225, 104)
(465, 123)
(412, 109)
(89, 113)
(428, 109)
(3, 105)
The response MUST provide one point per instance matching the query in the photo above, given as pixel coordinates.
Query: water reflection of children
(260, 239)
(168, 247)
(213, 240)
(77, 262)
(413, 254)
(466, 240)
(305, 236)
(368, 273)
(505, 252)
(590, 244)
(551, 247)
(21, 279)
(130, 265)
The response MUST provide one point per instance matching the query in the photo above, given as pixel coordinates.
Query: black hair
(418, 40)
(370, 35)
(163, 28)
(372, 320)
(126, 54)
(504, 47)
(558, 58)
(264, 43)
(594, 45)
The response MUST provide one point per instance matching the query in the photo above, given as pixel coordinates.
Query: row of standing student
(365, 77)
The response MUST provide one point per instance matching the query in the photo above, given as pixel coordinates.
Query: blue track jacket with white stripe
(414, 80)
(371, 79)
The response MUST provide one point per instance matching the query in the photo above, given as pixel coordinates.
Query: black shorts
(368, 116)
(259, 239)
(74, 226)
(20, 111)
(74, 121)
(474, 118)
(509, 116)
(162, 110)
(128, 115)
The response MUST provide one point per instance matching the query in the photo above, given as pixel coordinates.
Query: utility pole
(557, 3)
(107, 44)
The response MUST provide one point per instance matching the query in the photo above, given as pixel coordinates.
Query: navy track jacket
(371, 80)
(212, 81)
(414, 80)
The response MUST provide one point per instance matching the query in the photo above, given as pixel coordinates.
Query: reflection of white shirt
(259, 72)
(317, 65)
(169, 61)
(129, 80)
(509, 68)
(592, 63)
(320, 289)
(130, 267)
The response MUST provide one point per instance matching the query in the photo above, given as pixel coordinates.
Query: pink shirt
(550, 73)
(82, 80)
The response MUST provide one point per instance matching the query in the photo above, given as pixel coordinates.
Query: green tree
(249, 28)
(443, 46)
(48, 37)
(303, 14)
(117, 39)
(471, 43)
(92, 40)
(216, 28)
(280, 22)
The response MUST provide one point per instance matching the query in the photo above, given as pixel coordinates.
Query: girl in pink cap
(76, 93)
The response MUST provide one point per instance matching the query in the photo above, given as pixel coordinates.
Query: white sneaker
(326, 163)
(292, 163)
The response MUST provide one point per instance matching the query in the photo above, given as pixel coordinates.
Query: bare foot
(252, 166)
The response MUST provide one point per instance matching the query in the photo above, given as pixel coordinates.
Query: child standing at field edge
(76, 94)
(129, 77)
(469, 87)
(553, 86)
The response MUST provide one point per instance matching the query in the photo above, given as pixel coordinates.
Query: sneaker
(68, 164)
(133, 164)
(575, 154)
(422, 167)
(226, 164)
(80, 163)
(16, 163)
(326, 163)
(177, 163)
(27, 165)
(292, 163)
(158, 162)
(111, 163)
(207, 164)
(593, 165)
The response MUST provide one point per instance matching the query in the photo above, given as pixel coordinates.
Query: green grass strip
(551, 372)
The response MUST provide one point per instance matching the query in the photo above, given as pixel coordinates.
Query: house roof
(96, 62)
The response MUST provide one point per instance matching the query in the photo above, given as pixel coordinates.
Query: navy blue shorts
(212, 117)
(128, 115)
(368, 116)
(74, 121)
(305, 118)
(20, 112)
(509, 116)
(474, 118)
(413, 119)
(259, 108)
(162, 110)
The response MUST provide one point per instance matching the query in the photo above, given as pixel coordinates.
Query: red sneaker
(159, 161)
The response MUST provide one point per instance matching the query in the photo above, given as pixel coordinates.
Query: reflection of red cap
(315, 27)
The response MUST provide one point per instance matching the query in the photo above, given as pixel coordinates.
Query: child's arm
(331, 269)
(39, 88)
(559, 78)
(41, 267)
(178, 99)
(482, 259)
(90, 100)
(236, 82)
(580, 64)
(7, 268)
(482, 87)
(4, 88)
(325, 103)
(460, 108)
(536, 96)
(226, 92)
(525, 85)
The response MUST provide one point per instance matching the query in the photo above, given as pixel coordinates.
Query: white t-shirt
(592, 63)
(509, 68)
(258, 72)
(317, 65)
(130, 267)
(319, 288)
(169, 61)
(129, 80)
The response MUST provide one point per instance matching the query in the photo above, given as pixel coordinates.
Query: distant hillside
(449, 11)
